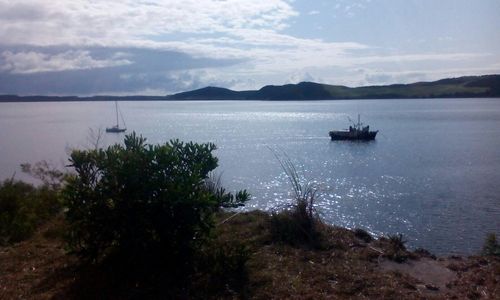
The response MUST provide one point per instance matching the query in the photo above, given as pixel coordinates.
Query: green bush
(142, 202)
(16, 211)
(50, 176)
(23, 207)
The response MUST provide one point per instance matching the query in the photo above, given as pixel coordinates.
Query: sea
(432, 174)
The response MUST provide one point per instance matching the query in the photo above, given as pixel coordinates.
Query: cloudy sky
(157, 47)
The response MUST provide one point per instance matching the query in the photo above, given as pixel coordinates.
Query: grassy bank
(348, 265)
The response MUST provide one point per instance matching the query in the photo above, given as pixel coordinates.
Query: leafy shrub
(16, 211)
(50, 176)
(23, 207)
(491, 246)
(144, 203)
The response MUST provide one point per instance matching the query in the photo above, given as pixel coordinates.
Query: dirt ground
(352, 268)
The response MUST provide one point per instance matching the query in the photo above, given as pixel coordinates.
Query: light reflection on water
(431, 174)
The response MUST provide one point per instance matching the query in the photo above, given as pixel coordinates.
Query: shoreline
(24, 99)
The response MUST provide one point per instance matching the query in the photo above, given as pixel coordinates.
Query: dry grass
(37, 268)
(349, 268)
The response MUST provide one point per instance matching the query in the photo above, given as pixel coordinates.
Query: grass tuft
(213, 185)
(491, 246)
(299, 223)
(363, 235)
(397, 249)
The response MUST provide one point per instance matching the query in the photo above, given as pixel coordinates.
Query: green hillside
(461, 87)
(466, 87)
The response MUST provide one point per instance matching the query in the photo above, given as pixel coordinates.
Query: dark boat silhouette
(356, 132)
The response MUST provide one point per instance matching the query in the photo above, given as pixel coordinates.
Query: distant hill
(467, 87)
(461, 87)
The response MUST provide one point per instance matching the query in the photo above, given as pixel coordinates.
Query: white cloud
(36, 62)
(252, 33)
(84, 22)
(300, 77)
(350, 8)
(404, 58)
(237, 29)
(231, 29)
(372, 76)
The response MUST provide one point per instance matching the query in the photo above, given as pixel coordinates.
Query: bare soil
(347, 268)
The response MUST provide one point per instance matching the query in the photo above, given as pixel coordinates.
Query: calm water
(433, 173)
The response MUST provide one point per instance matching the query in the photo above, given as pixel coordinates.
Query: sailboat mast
(116, 109)
(359, 122)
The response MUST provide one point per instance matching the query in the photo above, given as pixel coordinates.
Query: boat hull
(352, 135)
(115, 130)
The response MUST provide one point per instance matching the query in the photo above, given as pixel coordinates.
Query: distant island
(461, 87)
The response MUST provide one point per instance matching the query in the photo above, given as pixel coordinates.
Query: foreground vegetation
(243, 261)
(149, 221)
(24, 207)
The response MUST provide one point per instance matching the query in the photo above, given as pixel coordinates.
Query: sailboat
(116, 128)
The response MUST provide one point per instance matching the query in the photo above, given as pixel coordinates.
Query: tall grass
(299, 223)
(304, 191)
(224, 199)
(23, 207)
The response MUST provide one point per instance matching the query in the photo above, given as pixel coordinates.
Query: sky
(159, 47)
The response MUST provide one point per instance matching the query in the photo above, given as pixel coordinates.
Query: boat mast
(359, 122)
(116, 108)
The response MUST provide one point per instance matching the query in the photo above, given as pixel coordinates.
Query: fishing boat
(356, 132)
(116, 128)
